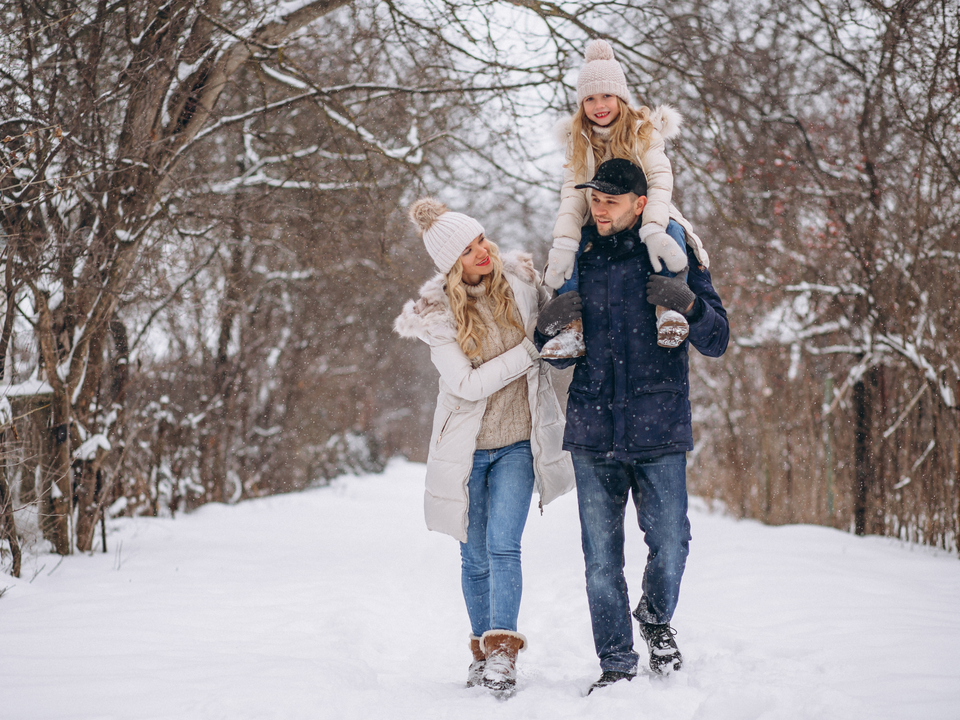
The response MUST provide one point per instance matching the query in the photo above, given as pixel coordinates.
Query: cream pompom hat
(601, 73)
(445, 234)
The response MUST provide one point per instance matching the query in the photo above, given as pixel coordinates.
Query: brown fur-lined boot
(500, 671)
(672, 328)
(568, 343)
(475, 671)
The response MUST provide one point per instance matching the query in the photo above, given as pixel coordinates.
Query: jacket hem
(627, 456)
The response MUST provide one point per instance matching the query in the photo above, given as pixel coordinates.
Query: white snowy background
(338, 603)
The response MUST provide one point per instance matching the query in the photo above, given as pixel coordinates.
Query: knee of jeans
(602, 557)
(670, 548)
(503, 547)
(475, 557)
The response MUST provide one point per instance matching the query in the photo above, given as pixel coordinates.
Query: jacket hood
(665, 119)
(431, 316)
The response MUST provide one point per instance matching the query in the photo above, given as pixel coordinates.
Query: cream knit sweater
(507, 417)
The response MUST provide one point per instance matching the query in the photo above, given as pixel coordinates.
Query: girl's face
(601, 109)
(476, 260)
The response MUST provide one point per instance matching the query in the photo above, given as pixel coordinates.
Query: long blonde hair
(470, 327)
(629, 138)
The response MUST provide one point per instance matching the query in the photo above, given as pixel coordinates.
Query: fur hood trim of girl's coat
(431, 316)
(665, 119)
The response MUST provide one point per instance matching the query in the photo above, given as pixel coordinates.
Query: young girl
(605, 127)
(498, 427)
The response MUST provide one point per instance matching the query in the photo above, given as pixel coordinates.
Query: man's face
(614, 213)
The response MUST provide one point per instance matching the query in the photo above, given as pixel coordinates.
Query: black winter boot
(664, 654)
(609, 677)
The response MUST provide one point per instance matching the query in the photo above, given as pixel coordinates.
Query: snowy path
(337, 603)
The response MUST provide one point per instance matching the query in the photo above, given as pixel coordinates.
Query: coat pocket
(589, 421)
(453, 428)
(656, 416)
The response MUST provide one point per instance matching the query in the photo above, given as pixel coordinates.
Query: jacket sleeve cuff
(696, 313)
(530, 348)
(566, 243)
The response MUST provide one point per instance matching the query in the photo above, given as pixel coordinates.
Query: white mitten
(559, 266)
(662, 246)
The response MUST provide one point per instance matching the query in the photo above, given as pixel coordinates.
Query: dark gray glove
(558, 313)
(671, 293)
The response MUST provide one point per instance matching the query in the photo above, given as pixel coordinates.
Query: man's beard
(619, 223)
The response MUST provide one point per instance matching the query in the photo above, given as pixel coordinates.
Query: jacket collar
(619, 245)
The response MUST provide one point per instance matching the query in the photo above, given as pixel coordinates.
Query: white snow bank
(337, 604)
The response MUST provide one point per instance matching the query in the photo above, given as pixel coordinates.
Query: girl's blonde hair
(470, 327)
(629, 138)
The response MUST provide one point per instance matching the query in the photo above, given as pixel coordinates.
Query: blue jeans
(500, 487)
(659, 488)
(674, 230)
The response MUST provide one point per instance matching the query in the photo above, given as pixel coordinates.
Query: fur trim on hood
(431, 315)
(666, 119)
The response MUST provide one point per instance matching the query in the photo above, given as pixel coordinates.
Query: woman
(498, 428)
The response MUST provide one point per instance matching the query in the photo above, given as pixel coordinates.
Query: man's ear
(640, 204)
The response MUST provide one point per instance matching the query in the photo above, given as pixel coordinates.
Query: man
(628, 417)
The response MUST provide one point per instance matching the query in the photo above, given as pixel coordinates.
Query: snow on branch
(411, 154)
(88, 450)
(263, 180)
(912, 353)
(790, 323)
(845, 289)
(906, 411)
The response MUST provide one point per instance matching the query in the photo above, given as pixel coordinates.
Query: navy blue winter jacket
(629, 398)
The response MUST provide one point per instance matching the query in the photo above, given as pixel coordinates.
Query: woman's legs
(500, 487)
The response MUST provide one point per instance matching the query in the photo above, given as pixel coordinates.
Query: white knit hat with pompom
(601, 73)
(445, 234)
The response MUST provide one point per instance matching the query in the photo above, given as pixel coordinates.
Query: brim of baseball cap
(604, 187)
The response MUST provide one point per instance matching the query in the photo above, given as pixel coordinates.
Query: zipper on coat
(444, 428)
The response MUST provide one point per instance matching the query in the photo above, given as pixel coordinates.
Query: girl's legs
(500, 488)
(675, 230)
(672, 327)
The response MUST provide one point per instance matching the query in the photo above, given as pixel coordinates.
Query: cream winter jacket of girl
(464, 390)
(575, 204)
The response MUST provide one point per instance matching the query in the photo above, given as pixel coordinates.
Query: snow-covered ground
(337, 603)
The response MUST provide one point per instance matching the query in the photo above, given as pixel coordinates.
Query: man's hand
(671, 293)
(558, 313)
(559, 267)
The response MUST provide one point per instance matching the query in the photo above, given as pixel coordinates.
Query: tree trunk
(8, 529)
(868, 498)
(61, 470)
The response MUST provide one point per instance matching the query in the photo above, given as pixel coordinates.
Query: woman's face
(476, 260)
(601, 109)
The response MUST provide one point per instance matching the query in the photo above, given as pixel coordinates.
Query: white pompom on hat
(601, 73)
(445, 234)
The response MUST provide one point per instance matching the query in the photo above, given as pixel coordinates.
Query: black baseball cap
(618, 177)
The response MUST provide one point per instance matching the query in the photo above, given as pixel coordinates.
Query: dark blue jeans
(659, 489)
(674, 230)
(500, 487)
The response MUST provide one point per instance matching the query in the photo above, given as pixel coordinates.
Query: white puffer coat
(464, 390)
(575, 204)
